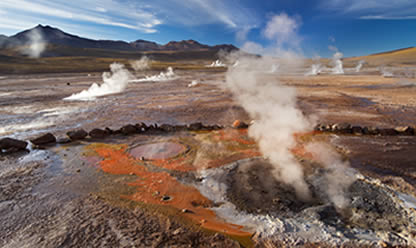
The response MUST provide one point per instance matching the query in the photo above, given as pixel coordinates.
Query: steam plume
(114, 82)
(194, 83)
(385, 72)
(140, 65)
(162, 76)
(272, 105)
(35, 45)
(315, 70)
(336, 60)
(276, 117)
(217, 63)
(359, 65)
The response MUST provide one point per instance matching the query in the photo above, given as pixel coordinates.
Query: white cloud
(374, 9)
(199, 12)
(144, 16)
(117, 14)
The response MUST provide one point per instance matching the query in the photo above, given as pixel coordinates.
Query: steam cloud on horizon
(35, 45)
(140, 65)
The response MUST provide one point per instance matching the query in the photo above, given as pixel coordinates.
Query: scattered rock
(153, 127)
(177, 231)
(180, 128)
(109, 130)
(166, 198)
(217, 127)
(342, 128)
(141, 127)
(322, 127)
(63, 140)
(12, 144)
(77, 134)
(167, 128)
(44, 139)
(185, 210)
(97, 133)
(128, 129)
(373, 131)
(357, 130)
(405, 130)
(195, 126)
(239, 124)
(388, 132)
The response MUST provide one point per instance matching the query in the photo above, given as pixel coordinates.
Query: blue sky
(355, 27)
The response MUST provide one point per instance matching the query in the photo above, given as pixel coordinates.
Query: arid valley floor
(196, 187)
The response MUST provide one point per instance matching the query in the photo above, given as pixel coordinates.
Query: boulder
(373, 131)
(141, 127)
(77, 134)
(388, 132)
(344, 128)
(153, 127)
(405, 130)
(97, 133)
(217, 127)
(44, 139)
(12, 144)
(63, 140)
(323, 127)
(180, 128)
(239, 124)
(357, 130)
(195, 126)
(167, 128)
(128, 129)
(109, 130)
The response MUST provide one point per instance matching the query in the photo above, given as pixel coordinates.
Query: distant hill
(57, 38)
(405, 56)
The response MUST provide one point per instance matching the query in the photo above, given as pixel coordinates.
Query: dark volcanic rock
(405, 130)
(109, 130)
(216, 127)
(342, 128)
(44, 139)
(373, 131)
(357, 130)
(14, 144)
(167, 128)
(239, 124)
(77, 134)
(180, 127)
(63, 140)
(97, 133)
(195, 126)
(323, 127)
(141, 127)
(388, 131)
(128, 129)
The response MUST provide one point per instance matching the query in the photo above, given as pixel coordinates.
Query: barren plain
(196, 187)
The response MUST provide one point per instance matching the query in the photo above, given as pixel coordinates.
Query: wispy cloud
(374, 9)
(118, 15)
(143, 16)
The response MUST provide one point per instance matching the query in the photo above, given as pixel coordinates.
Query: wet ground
(121, 191)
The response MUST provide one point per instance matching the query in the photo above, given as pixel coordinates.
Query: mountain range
(56, 37)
